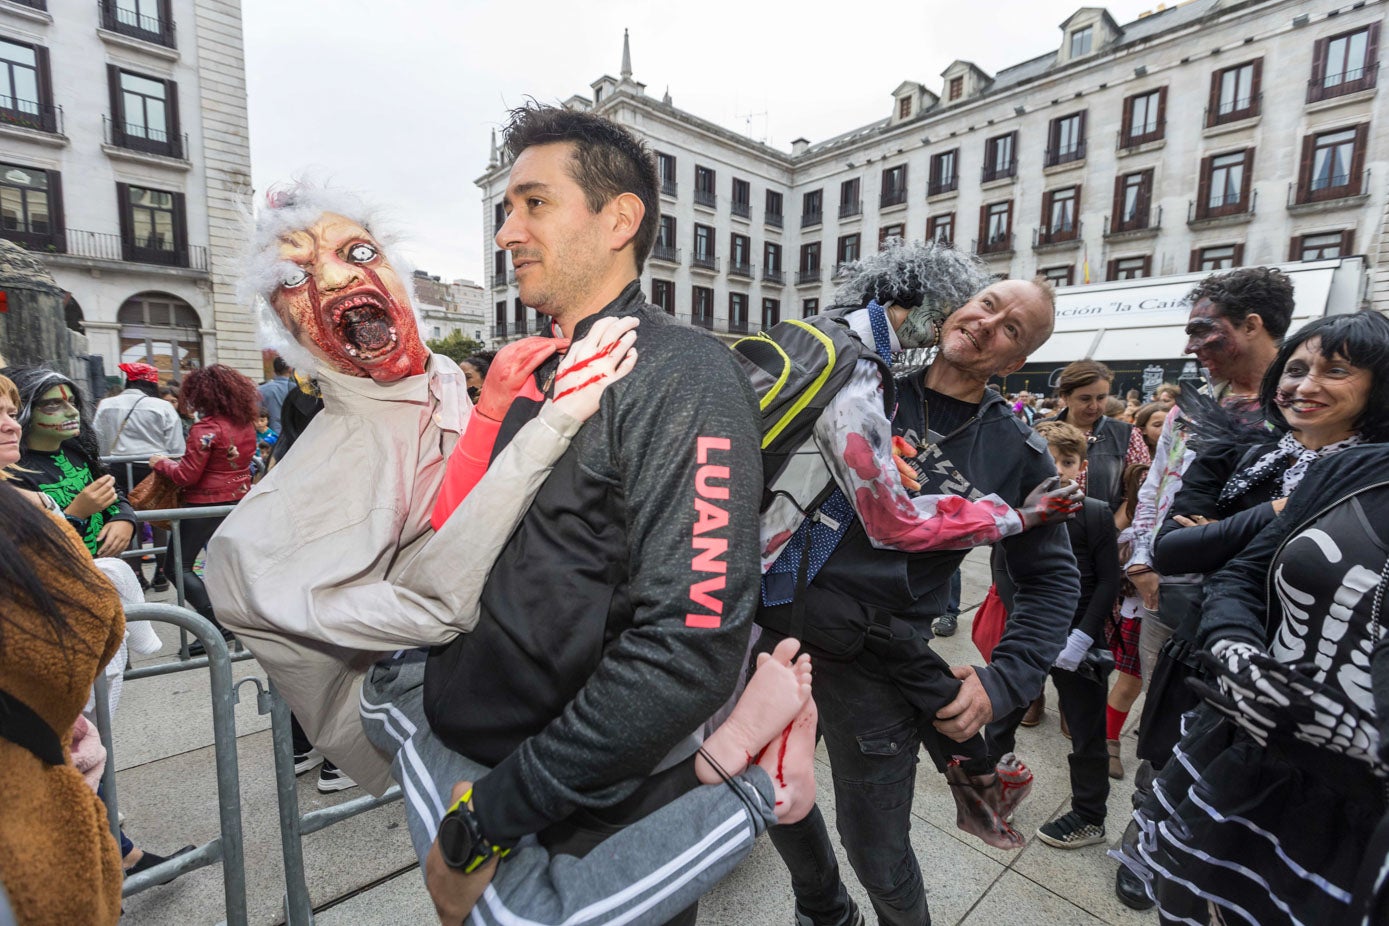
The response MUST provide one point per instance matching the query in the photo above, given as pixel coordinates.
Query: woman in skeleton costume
(1274, 811)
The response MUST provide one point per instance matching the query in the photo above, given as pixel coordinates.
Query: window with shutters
(1059, 276)
(1000, 157)
(810, 261)
(1323, 246)
(704, 248)
(1224, 185)
(1066, 139)
(1235, 93)
(771, 262)
(499, 268)
(738, 313)
(663, 295)
(904, 107)
(153, 227)
(702, 307)
(705, 180)
(941, 228)
(739, 255)
(888, 232)
(1145, 116)
(741, 202)
(26, 91)
(1216, 257)
(1060, 215)
(771, 312)
(665, 169)
(945, 175)
(144, 114)
(894, 191)
(1130, 268)
(812, 208)
(849, 249)
(810, 307)
(1333, 164)
(1344, 63)
(995, 227)
(150, 20)
(1133, 194)
(956, 89)
(850, 199)
(31, 208)
(771, 214)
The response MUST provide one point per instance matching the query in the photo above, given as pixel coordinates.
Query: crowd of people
(562, 597)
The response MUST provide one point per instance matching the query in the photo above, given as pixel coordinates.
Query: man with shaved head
(971, 445)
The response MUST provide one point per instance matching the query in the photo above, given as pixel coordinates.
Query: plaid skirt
(1121, 633)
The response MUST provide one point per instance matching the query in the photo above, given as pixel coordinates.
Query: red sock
(1114, 722)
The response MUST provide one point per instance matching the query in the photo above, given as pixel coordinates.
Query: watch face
(455, 842)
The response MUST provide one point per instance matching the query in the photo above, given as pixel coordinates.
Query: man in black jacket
(972, 446)
(615, 621)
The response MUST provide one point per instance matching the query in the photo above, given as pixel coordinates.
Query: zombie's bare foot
(773, 698)
(789, 760)
(975, 813)
(1014, 784)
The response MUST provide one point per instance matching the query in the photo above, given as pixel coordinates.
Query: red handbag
(989, 622)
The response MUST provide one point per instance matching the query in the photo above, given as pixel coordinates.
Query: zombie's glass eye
(294, 279)
(360, 253)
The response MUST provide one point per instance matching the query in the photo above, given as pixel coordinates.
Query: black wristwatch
(461, 842)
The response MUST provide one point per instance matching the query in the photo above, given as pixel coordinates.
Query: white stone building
(124, 151)
(448, 307)
(1212, 134)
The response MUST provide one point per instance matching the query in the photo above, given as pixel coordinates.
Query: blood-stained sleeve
(855, 439)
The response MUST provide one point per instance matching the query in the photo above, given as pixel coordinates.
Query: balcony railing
(811, 218)
(773, 276)
(518, 326)
(998, 171)
(1129, 139)
(943, 185)
(894, 197)
(705, 262)
(736, 269)
(773, 219)
(738, 326)
(1233, 110)
(806, 277)
(128, 22)
(995, 244)
(1065, 154)
(1220, 205)
(742, 210)
(702, 321)
(1144, 220)
(152, 249)
(28, 114)
(1064, 232)
(850, 209)
(499, 330)
(668, 254)
(134, 137)
(1336, 186)
(1339, 84)
(706, 198)
(670, 188)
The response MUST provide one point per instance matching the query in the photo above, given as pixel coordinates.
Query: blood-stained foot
(1014, 784)
(975, 811)
(776, 694)
(789, 760)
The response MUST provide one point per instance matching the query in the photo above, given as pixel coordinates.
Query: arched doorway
(162, 330)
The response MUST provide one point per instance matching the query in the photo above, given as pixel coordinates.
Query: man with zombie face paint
(329, 565)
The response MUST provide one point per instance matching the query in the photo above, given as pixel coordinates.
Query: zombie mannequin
(329, 563)
(61, 459)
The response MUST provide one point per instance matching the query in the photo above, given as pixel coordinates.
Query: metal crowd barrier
(228, 846)
(293, 826)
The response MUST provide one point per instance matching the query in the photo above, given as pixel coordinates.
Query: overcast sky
(397, 100)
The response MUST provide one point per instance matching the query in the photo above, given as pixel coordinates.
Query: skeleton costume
(1270, 809)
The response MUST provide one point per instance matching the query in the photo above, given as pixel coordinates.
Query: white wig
(292, 207)
(913, 274)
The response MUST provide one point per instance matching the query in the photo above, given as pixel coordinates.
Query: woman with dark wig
(216, 464)
(1274, 811)
(61, 459)
(60, 623)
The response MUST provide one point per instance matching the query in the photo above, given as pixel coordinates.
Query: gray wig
(929, 279)
(293, 207)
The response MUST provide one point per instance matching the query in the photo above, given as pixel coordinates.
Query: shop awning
(1146, 319)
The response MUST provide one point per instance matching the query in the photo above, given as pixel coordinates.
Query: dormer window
(597, 94)
(904, 107)
(957, 88)
(1081, 41)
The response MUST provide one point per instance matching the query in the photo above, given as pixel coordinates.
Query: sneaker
(160, 583)
(1070, 831)
(946, 625)
(304, 761)
(331, 778)
(853, 918)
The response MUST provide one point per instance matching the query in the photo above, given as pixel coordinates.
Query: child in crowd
(263, 433)
(1084, 688)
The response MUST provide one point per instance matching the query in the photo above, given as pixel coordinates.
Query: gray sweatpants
(646, 873)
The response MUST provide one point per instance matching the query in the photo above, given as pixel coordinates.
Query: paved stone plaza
(362, 872)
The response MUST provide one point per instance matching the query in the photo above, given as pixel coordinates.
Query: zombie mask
(343, 302)
(55, 418)
(921, 327)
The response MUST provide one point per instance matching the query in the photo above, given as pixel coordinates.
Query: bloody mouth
(366, 326)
